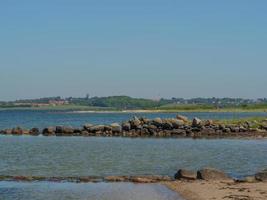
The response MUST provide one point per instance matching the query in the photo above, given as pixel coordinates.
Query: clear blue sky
(141, 48)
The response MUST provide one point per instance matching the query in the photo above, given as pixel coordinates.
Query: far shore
(84, 109)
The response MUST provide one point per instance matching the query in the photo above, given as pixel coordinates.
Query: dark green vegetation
(118, 103)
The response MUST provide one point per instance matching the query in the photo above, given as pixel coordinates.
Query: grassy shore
(166, 109)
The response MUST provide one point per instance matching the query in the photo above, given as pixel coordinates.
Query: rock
(208, 122)
(87, 126)
(250, 179)
(167, 125)
(196, 122)
(186, 174)
(183, 118)
(34, 131)
(262, 176)
(17, 131)
(115, 178)
(64, 130)
(97, 128)
(157, 122)
(7, 131)
(135, 123)
(212, 174)
(141, 180)
(176, 123)
(115, 127)
(49, 131)
(126, 126)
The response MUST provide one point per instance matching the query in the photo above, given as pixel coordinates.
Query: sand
(217, 190)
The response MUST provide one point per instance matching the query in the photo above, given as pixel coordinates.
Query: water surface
(41, 119)
(84, 191)
(90, 156)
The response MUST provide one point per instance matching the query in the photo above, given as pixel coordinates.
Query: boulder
(196, 122)
(126, 126)
(186, 174)
(97, 128)
(115, 127)
(87, 126)
(135, 123)
(34, 131)
(166, 124)
(212, 174)
(261, 176)
(49, 131)
(208, 122)
(183, 118)
(176, 123)
(157, 122)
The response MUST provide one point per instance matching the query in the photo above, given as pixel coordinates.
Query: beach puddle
(10, 190)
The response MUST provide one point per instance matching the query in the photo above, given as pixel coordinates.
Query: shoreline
(188, 189)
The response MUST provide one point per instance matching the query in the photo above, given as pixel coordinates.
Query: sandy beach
(219, 190)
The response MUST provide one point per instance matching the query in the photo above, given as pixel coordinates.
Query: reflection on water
(89, 191)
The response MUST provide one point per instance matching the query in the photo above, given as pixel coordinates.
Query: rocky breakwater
(158, 127)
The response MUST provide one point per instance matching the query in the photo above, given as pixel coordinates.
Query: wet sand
(218, 190)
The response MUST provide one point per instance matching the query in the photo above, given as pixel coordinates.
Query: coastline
(187, 189)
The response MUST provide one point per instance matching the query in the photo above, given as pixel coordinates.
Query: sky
(140, 48)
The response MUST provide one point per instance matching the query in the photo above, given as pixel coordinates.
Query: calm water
(90, 191)
(83, 156)
(41, 119)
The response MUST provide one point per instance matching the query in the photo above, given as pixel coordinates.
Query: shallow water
(83, 156)
(41, 119)
(88, 191)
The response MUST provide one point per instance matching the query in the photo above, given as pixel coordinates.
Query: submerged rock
(212, 174)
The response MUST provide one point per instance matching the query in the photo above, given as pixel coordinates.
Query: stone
(186, 174)
(34, 131)
(212, 174)
(49, 131)
(115, 127)
(250, 179)
(208, 122)
(17, 131)
(262, 176)
(115, 178)
(157, 122)
(97, 128)
(196, 122)
(183, 118)
(176, 123)
(135, 123)
(126, 126)
(87, 126)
